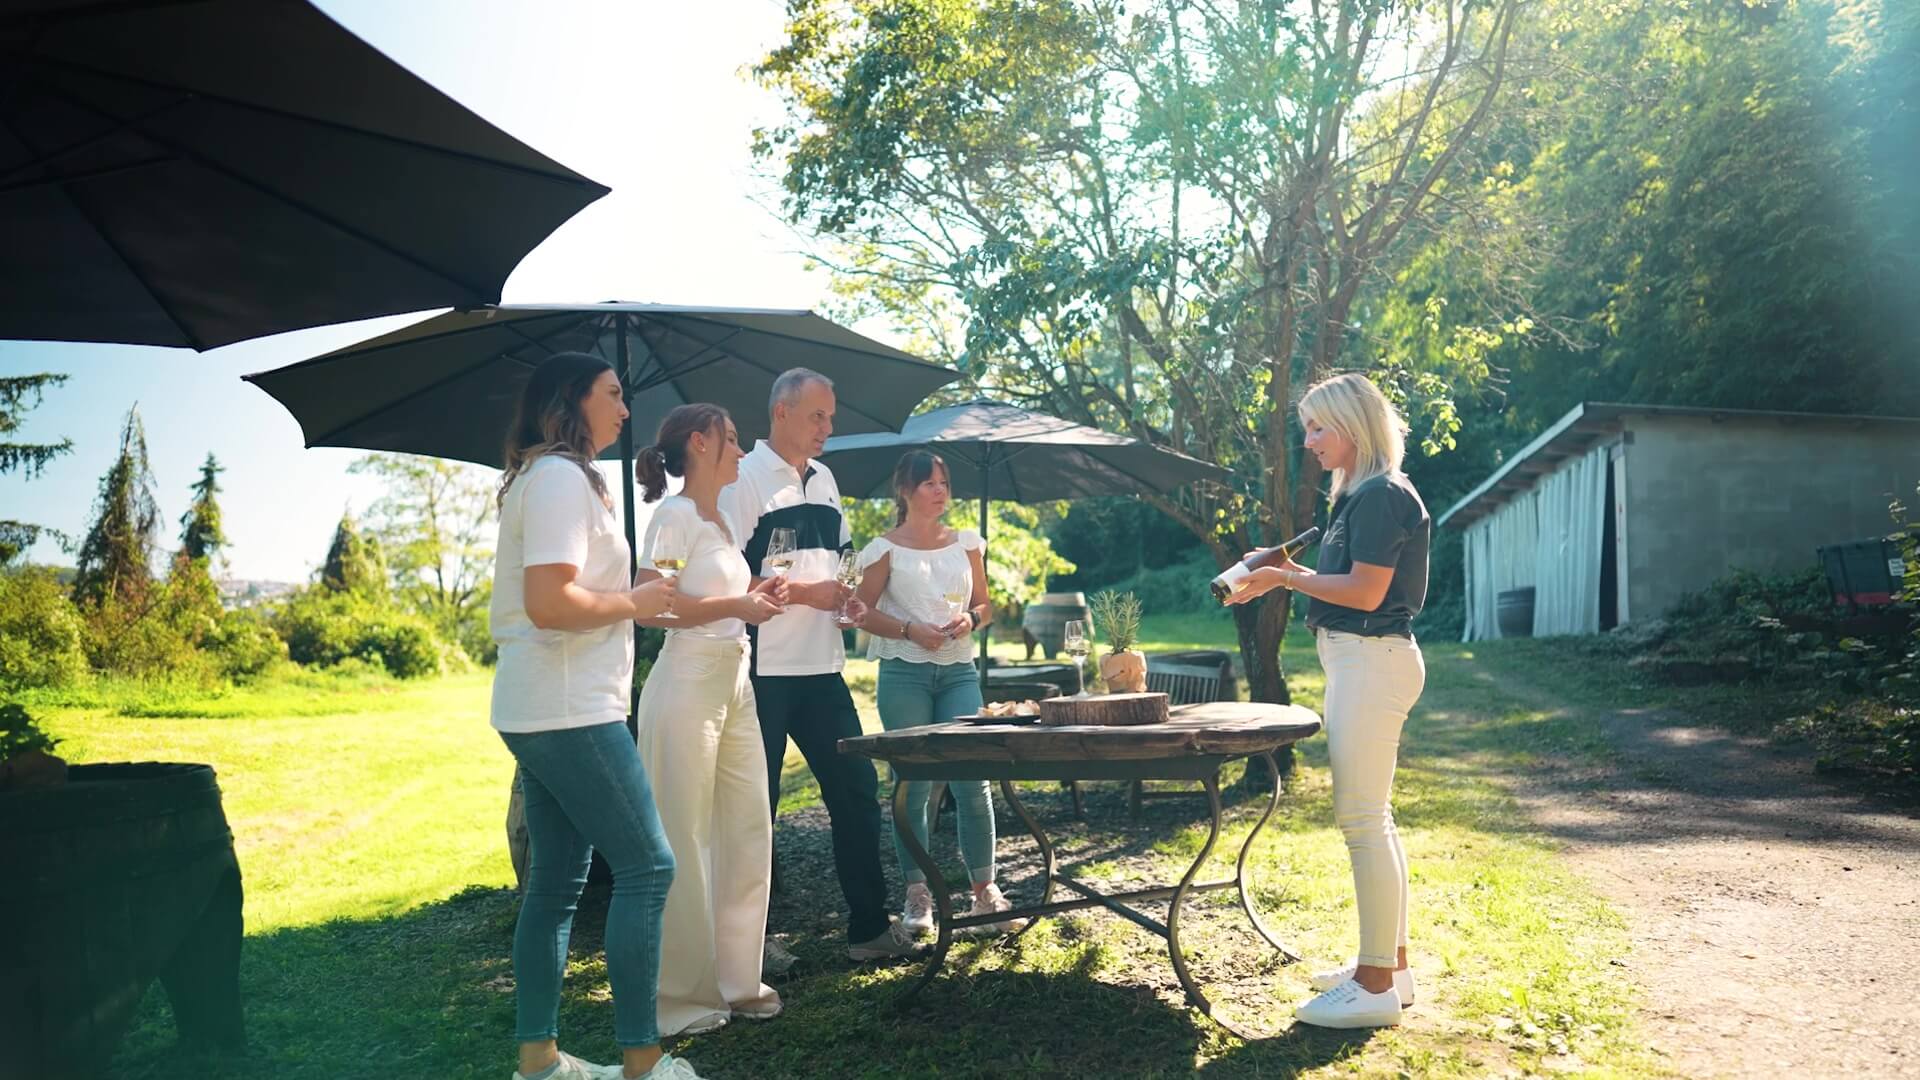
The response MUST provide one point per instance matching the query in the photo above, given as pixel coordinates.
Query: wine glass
(1077, 646)
(780, 551)
(956, 599)
(847, 573)
(669, 554)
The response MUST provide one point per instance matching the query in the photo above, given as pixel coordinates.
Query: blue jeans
(584, 789)
(911, 695)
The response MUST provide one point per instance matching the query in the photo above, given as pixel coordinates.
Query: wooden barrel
(1047, 619)
(123, 875)
(1514, 612)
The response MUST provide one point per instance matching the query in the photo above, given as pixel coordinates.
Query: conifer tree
(116, 558)
(19, 394)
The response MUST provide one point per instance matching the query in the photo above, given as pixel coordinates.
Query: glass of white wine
(669, 555)
(956, 602)
(780, 552)
(1077, 646)
(846, 573)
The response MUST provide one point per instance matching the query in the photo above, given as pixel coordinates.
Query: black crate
(1864, 573)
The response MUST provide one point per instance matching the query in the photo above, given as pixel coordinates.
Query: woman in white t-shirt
(563, 612)
(926, 586)
(700, 735)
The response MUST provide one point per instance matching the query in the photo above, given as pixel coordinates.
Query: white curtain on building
(1567, 572)
(1500, 555)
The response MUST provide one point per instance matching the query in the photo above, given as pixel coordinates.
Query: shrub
(41, 635)
(1170, 590)
(244, 645)
(322, 628)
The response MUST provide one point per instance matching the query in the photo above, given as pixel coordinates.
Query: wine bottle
(1230, 578)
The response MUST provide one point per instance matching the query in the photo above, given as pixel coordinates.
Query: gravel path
(1776, 916)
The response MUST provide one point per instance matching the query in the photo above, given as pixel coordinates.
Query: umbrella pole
(986, 633)
(626, 494)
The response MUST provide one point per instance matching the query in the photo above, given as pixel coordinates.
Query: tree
(201, 535)
(436, 527)
(354, 563)
(116, 557)
(20, 395)
(1156, 220)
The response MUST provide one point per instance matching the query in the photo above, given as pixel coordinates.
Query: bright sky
(647, 98)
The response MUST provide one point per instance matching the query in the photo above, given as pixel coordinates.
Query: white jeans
(1372, 683)
(700, 742)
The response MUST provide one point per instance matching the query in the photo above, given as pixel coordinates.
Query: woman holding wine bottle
(925, 586)
(1371, 582)
(699, 734)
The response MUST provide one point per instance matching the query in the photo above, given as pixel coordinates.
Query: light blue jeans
(584, 789)
(912, 695)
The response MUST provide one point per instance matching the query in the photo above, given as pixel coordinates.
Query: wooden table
(1193, 745)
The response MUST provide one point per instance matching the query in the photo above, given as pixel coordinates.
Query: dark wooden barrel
(1047, 619)
(1514, 612)
(124, 875)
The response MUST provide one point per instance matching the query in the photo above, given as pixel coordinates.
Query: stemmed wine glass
(1077, 646)
(780, 552)
(848, 574)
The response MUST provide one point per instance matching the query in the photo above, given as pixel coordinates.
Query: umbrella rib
(356, 352)
(281, 197)
(893, 355)
(437, 383)
(192, 339)
(691, 364)
(575, 180)
(883, 425)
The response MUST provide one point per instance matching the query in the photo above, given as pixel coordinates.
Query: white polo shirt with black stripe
(772, 494)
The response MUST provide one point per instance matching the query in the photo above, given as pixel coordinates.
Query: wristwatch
(974, 618)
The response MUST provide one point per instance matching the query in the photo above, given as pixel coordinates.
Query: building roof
(1589, 422)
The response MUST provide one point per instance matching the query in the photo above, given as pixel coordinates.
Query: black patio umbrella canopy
(994, 450)
(446, 386)
(196, 172)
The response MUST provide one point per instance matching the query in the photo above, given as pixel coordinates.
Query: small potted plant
(25, 758)
(1123, 668)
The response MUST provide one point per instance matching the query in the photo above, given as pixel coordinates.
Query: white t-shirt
(550, 680)
(714, 564)
(772, 494)
(918, 582)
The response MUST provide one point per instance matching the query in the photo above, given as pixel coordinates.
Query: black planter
(1515, 612)
(123, 875)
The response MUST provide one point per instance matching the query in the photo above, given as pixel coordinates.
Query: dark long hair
(548, 419)
(668, 454)
(916, 467)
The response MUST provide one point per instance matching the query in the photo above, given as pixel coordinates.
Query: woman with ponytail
(926, 586)
(563, 611)
(700, 734)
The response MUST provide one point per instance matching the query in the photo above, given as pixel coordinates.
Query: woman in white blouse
(926, 587)
(700, 736)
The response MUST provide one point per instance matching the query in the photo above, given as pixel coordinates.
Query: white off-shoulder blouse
(918, 583)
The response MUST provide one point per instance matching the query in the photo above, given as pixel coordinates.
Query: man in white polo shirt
(798, 655)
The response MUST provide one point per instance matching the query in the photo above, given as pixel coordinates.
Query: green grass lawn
(369, 827)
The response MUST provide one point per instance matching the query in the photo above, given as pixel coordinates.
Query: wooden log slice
(1105, 710)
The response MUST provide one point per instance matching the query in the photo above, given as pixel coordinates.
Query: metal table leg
(1039, 837)
(942, 903)
(1240, 868)
(1180, 895)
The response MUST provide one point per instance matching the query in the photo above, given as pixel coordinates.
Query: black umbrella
(446, 386)
(995, 450)
(196, 172)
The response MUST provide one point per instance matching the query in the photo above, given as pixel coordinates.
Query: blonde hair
(1354, 407)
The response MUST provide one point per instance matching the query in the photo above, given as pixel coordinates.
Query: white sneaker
(668, 1068)
(892, 943)
(1402, 982)
(572, 1068)
(1351, 1005)
(988, 901)
(775, 959)
(917, 916)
